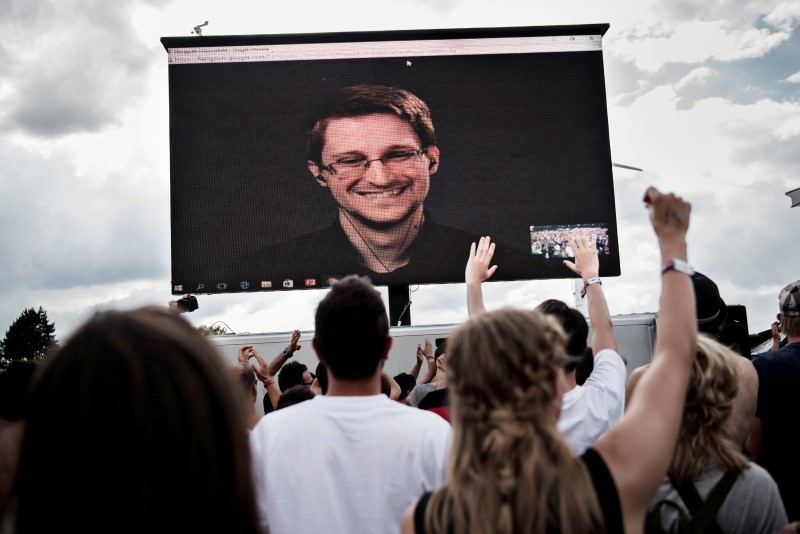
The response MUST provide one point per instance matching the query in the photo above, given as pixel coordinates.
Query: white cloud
(84, 178)
(794, 78)
(784, 16)
(652, 47)
(733, 162)
(71, 66)
(698, 76)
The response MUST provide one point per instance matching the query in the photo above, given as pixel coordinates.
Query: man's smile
(382, 193)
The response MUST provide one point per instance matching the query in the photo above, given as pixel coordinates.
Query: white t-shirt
(345, 464)
(589, 410)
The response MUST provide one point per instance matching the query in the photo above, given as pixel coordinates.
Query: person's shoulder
(325, 252)
(759, 490)
(435, 237)
(418, 393)
(756, 475)
(289, 416)
(790, 350)
(785, 354)
(305, 243)
(420, 390)
(422, 419)
(610, 357)
(609, 370)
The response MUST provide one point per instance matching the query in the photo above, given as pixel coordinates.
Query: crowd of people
(557, 242)
(136, 423)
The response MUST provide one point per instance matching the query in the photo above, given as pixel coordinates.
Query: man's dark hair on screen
(351, 329)
(358, 100)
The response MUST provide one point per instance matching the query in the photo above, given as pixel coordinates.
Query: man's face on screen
(382, 192)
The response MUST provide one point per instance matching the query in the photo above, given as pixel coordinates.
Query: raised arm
(775, 329)
(427, 353)
(638, 450)
(477, 272)
(394, 387)
(271, 389)
(283, 356)
(587, 266)
(418, 357)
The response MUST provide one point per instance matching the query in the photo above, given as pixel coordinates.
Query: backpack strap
(704, 513)
(653, 524)
(705, 517)
(419, 513)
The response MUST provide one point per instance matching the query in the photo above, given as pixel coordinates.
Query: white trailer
(635, 335)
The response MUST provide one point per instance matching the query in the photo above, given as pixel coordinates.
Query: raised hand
(480, 256)
(262, 369)
(293, 346)
(427, 352)
(776, 335)
(587, 263)
(669, 213)
(245, 353)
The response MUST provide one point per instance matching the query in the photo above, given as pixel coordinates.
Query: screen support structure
(399, 306)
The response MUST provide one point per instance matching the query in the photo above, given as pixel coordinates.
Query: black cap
(711, 309)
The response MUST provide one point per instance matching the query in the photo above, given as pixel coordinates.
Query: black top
(435, 399)
(603, 486)
(778, 402)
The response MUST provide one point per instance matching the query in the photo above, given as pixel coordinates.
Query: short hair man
(374, 149)
(350, 438)
(774, 437)
(292, 374)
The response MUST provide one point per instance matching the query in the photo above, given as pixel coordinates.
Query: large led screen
(298, 159)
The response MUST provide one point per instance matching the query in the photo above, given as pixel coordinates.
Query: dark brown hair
(134, 426)
(358, 100)
(351, 329)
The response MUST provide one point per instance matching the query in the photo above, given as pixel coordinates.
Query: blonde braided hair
(510, 470)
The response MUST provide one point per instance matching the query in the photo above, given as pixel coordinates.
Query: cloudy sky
(704, 96)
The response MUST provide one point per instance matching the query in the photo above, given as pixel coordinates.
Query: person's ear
(388, 346)
(317, 172)
(778, 316)
(433, 157)
(559, 387)
(315, 346)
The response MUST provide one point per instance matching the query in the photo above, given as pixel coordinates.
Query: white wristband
(590, 281)
(679, 265)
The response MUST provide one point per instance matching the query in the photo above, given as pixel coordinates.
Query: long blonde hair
(510, 470)
(703, 438)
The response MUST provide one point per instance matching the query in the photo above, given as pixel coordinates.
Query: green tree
(213, 330)
(29, 337)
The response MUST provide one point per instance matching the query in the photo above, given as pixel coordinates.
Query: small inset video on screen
(553, 241)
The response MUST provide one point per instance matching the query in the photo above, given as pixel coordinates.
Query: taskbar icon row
(259, 285)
